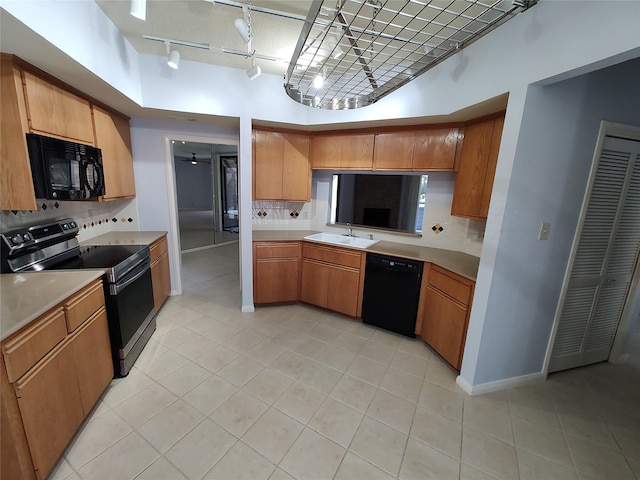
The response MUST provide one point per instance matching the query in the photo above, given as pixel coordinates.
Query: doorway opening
(206, 178)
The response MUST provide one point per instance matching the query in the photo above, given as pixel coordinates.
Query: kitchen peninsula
(289, 268)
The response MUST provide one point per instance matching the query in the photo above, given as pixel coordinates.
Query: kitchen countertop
(280, 235)
(125, 238)
(26, 296)
(463, 264)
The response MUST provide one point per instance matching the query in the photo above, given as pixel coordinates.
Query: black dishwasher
(391, 293)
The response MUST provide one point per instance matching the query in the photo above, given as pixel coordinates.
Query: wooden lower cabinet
(314, 287)
(445, 313)
(331, 278)
(60, 377)
(92, 356)
(160, 272)
(342, 291)
(50, 406)
(443, 325)
(277, 280)
(276, 272)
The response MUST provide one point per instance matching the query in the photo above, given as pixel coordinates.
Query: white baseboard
(498, 385)
(624, 358)
(248, 308)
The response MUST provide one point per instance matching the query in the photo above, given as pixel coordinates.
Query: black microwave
(64, 170)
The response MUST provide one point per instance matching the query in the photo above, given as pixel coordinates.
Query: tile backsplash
(94, 218)
(450, 233)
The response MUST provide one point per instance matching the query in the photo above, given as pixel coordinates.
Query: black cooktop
(102, 256)
(116, 259)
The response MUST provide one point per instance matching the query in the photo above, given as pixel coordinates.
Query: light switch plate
(544, 231)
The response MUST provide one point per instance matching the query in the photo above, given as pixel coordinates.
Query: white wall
(554, 153)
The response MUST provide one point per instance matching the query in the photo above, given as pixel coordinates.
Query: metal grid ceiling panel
(364, 49)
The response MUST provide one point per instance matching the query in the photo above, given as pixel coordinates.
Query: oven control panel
(28, 236)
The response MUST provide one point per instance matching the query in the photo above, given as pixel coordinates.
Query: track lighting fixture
(174, 59)
(242, 28)
(254, 71)
(174, 56)
(139, 9)
(243, 25)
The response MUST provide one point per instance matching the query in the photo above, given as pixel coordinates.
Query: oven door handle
(118, 287)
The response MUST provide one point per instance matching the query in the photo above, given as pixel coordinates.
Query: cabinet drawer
(25, 350)
(447, 283)
(157, 249)
(84, 304)
(332, 255)
(277, 250)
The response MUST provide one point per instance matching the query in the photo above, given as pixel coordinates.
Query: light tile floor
(294, 392)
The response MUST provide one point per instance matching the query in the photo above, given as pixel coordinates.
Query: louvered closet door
(605, 259)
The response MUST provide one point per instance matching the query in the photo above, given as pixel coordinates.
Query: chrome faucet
(349, 230)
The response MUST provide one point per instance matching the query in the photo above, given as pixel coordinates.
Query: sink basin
(344, 240)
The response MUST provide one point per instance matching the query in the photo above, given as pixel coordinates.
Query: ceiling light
(318, 81)
(139, 9)
(193, 162)
(174, 59)
(243, 29)
(254, 72)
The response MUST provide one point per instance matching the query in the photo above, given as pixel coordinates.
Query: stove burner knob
(65, 226)
(26, 237)
(73, 225)
(17, 239)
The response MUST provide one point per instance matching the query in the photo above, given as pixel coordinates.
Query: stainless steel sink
(344, 240)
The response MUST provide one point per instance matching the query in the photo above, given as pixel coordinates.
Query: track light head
(243, 29)
(174, 59)
(254, 72)
(139, 9)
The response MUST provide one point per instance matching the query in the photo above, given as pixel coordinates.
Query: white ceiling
(210, 22)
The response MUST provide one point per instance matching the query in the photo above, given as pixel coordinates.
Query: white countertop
(125, 238)
(26, 296)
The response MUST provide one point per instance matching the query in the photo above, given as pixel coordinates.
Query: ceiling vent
(351, 53)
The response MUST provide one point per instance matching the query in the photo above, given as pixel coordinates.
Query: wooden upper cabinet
(435, 150)
(16, 184)
(281, 169)
(113, 137)
(474, 180)
(267, 167)
(491, 167)
(394, 150)
(326, 151)
(57, 112)
(34, 102)
(349, 151)
(357, 151)
(296, 170)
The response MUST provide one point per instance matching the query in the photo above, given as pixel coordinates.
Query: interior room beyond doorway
(206, 177)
